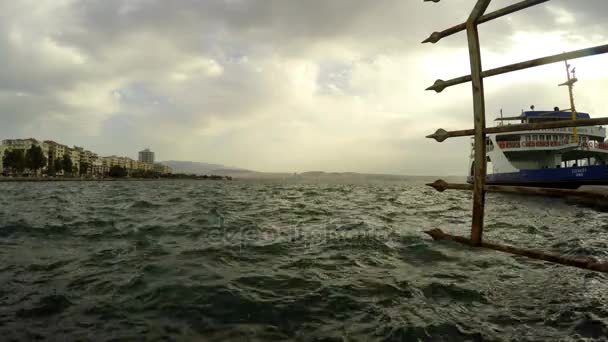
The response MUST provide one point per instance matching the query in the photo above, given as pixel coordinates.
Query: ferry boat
(561, 157)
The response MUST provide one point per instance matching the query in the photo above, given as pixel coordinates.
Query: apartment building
(95, 164)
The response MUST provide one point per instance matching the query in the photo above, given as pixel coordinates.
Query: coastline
(107, 179)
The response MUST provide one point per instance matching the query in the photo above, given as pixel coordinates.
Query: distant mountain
(198, 168)
(355, 176)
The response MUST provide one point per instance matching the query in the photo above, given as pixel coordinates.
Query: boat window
(535, 137)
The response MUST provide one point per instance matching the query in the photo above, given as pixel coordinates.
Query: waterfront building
(162, 169)
(85, 161)
(24, 145)
(125, 162)
(76, 154)
(96, 166)
(109, 161)
(132, 164)
(122, 162)
(146, 156)
(20, 144)
(2, 149)
(55, 150)
(105, 165)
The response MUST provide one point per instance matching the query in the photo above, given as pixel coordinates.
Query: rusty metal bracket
(437, 36)
(440, 85)
(441, 186)
(587, 264)
(479, 108)
(441, 135)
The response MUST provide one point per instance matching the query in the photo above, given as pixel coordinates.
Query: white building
(146, 156)
(97, 166)
(23, 145)
(20, 144)
(56, 151)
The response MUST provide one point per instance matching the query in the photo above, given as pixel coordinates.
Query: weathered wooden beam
(441, 186)
(479, 109)
(587, 264)
(437, 36)
(440, 85)
(441, 135)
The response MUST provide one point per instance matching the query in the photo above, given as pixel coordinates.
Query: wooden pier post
(479, 131)
(480, 121)
(587, 264)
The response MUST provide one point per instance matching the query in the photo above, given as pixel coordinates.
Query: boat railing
(504, 145)
(479, 187)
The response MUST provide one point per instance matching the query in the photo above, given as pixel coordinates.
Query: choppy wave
(258, 261)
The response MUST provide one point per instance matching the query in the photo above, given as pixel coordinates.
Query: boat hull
(570, 177)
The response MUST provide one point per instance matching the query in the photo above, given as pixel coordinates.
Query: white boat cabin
(547, 148)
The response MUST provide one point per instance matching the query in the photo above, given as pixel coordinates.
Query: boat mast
(570, 84)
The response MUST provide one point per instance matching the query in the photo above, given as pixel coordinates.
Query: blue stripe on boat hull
(571, 177)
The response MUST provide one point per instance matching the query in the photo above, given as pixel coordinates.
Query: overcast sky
(279, 85)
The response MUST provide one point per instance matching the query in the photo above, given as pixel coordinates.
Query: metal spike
(440, 135)
(438, 86)
(433, 38)
(439, 185)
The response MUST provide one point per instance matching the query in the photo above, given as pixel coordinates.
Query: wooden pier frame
(584, 263)
(479, 132)
(479, 108)
(441, 135)
(437, 36)
(441, 186)
(440, 85)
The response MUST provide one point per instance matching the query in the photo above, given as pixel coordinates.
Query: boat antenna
(570, 83)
